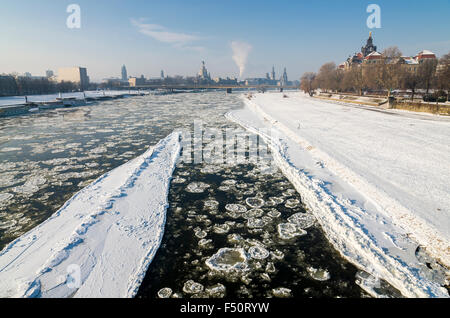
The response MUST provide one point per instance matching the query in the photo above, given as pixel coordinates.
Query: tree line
(387, 75)
(11, 85)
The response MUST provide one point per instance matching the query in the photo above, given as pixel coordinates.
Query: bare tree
(336, 80)
(443, 74)
(325, 76)
(427, 72)
(370, 77)
(356, 79)
(307, 83)
(392, 52)
(8, 85)
(388, 75)
(409, 79)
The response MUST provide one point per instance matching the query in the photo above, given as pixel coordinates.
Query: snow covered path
(376, 181)
(101, 242)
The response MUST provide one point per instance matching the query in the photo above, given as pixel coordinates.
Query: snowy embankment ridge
(377, 182)
(101, 242)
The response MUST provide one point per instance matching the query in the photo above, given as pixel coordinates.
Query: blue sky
(175, 35)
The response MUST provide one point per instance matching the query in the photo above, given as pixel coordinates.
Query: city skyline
(149, 37)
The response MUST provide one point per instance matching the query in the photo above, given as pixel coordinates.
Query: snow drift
(322, 149)
(101, 242)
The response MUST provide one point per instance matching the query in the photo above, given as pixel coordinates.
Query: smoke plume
(241, 50)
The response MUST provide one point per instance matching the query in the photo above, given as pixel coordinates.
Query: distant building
(254, 81)
(137, 81)
(410, 63)
(259, 81)
(203, 73)
(369, 48)
(284, 79)
(413, 63)
(425, 55)
(162, 74)
(273, 73)
(370, 56)
(76, 75)
(28, 76)
(359, 58)
(226, 81)
(49, 73)
(115, 82)
(374, 58)
(124, 73)
(356, 59)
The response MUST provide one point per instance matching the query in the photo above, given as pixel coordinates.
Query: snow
(426, 52)
(101, 242)
(17, 100)
(376, 181)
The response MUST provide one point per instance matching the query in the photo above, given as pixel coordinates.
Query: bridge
(205, 87)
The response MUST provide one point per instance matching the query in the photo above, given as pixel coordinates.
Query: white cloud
(162, 34)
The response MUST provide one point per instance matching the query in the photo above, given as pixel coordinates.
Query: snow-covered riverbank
(101, 242)
(376, 181)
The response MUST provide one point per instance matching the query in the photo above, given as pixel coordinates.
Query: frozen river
(229, 227)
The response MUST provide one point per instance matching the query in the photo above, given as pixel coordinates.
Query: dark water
(182, 256)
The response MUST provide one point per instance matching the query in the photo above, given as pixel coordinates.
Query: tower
(124, 73)
(369, 48)
(284, 78)
(203, 73)
(162, 74)
(273, 73)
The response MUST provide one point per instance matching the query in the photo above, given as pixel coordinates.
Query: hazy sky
(176, 35)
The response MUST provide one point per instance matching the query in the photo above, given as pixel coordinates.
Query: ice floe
(318, 273)
(253, 213)
(216, 291)
(281, 292)
(221, 228)
(302, 220)
(211, 204)
(236, 208)
(6, 225)
(191, 287)
(197, 187)
(200, 234)
(288, 231)
(228, 259)
(254, 203)
(258, 252)
(5, 197)
(292, 203)
(165, 293)
(273, 213)
(255, 223)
